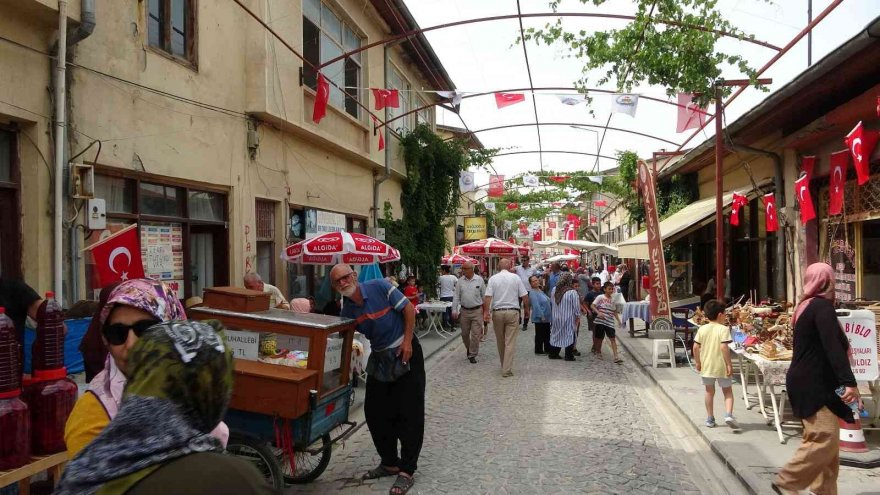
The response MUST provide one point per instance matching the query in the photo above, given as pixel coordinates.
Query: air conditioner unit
(82, 181)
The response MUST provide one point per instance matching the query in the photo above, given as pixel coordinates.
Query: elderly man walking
(525, 271)
(394, 402)
(504, 293)
(467, 305)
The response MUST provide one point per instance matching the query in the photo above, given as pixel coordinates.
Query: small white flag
(455, 96)
(530, 180)
(490, 206)
(466, 182)
(572, 100)
(596, 178)
(625, 103)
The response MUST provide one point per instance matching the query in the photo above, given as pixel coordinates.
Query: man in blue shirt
(394, 410)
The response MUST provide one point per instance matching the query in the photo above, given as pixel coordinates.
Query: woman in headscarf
(819, 366)
(565, 307)
(300, 305)
(131, 308)
(92, 346)
(180, 382)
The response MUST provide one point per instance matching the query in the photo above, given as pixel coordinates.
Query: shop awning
(579, 245)
(683, 222)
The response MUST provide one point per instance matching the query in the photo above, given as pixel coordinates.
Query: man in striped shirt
(394, 410)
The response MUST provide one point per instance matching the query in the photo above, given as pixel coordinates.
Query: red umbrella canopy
(340, 247)
(493, 247)
(457, 259)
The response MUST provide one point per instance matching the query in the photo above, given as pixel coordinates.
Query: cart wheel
(308, 466)
(260, 454)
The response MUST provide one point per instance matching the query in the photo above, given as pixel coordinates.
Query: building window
(171, 27)
(10, 217)
(116, 192)
(325, 37)
(398, 82)
(159, 200)
(265, 213)
(205, 205)
(426, 114)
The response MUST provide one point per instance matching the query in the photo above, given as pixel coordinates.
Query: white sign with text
(860, 328)
(244, 345)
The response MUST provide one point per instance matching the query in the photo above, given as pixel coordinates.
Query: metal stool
(659, 344)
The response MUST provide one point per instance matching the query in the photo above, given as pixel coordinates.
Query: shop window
(265, 216)
(205, 205)
(6, 150)
(118, 193)
(325, 37)
(870, 260)
(171, 27)
(10, 220)
(158, 199)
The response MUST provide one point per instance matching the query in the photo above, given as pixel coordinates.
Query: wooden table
(54, 464)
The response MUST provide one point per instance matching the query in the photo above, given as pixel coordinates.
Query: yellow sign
(474, 228)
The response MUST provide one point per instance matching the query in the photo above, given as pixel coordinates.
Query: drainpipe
(779, 281)
(377, 179)
(60, 104)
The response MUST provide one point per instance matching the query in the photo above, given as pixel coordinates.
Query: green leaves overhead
(671, 43)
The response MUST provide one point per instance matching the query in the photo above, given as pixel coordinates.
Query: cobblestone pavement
(554, 427)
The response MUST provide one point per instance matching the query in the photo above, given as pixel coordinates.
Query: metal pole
(719, 197)
(60, 103)
(810, 34)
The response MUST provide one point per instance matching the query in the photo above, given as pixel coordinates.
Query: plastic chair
(659, 345)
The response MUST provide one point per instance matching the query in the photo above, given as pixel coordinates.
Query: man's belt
(474, 307)
(506, 309)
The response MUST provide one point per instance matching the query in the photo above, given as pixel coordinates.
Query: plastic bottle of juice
(15, 422)
(50, 395)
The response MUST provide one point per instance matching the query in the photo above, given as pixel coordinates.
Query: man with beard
(394, 403)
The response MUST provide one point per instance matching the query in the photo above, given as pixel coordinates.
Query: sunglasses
(117, 333)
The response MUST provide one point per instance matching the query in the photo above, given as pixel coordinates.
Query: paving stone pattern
(554, 427)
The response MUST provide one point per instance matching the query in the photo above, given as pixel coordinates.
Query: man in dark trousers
(394, 403)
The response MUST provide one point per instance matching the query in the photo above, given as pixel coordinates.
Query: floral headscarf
(563, 285)
(178, 391)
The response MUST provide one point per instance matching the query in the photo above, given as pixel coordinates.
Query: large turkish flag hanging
(802, 193)
(118, 257)
(839, 161)
(771, 219)
(861, 144)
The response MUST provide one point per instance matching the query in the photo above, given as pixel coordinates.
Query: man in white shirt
(447, 283)
(525, 271)
(253, 281)
(504, 294)
(468, 302)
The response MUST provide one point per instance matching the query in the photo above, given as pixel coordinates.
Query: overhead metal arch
(564, 152)
(568, 124)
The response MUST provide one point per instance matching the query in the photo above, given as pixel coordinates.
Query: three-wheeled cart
(281, 416)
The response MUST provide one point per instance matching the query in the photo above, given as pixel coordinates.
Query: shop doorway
(871, 260)
(10, 211)
(208, 259)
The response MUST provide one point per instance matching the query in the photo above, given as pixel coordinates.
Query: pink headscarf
(300, 305)
(818, 282)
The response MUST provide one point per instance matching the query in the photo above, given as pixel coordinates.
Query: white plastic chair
(659, 345)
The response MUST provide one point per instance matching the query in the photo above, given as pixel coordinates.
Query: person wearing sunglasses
(131, 308)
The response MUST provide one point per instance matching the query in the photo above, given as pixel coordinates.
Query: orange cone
(852, 438)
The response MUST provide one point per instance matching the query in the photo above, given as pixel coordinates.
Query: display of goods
(294, 359)
(700, 317)
(50, 399)
(15, 439)
(48, 349)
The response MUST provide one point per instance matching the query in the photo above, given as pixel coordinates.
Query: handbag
(386, 366)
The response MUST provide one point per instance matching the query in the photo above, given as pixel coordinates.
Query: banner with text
(659, 291)
(474, 228)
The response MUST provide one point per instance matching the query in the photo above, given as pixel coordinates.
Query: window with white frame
(398, 82)
(426, 114)
(325, 37)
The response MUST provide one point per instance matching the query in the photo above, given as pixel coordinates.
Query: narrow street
(554, 427)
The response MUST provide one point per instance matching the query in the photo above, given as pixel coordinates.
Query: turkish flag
(496, 186)
(738, 202)
(118, 257)
(321, 99)
(861, 144)
(690, 116)
(386, 98)
(552, 225)
(512, 206)
(506, 99)
(559, 179)
(593, 219)
(836, 188)
(381, 137)
(771, 218)
(537, 235)
(600, 203)
(807, 165)
(802, 192)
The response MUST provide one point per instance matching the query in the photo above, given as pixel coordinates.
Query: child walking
(606, 322)
(712, 357)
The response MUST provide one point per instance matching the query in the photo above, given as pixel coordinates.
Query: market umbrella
(340, 247)
(492, 247)
(457, 259)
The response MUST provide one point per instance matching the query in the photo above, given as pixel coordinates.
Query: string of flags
(690, 116)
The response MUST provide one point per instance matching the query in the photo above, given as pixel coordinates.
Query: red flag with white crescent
(771, 219)
(386, 98)
(802, 193)
(506, 99)
(738, 202)
(496, 186)
(837, 186)
(807, 165)
(118, 257)
(861, 144)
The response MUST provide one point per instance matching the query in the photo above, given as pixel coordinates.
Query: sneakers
(731, 422)
(710, 422)
(472, 360)
(507, 374)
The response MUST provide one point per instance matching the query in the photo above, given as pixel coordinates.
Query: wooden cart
(274, 404)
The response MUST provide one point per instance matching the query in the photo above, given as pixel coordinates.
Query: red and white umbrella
(340, 247)
(493, 247)
(457, 259)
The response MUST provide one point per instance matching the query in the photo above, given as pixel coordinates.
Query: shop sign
(244, 345)
(474, 228)
(842, 260)
(860, 327)
(659, 291)
(320, 222)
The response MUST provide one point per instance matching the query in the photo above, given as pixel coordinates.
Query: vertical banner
(661, 315)
(496, 186)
